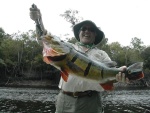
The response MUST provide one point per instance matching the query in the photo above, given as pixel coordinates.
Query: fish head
(53, 46)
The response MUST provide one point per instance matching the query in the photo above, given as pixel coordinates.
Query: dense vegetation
(21, 55)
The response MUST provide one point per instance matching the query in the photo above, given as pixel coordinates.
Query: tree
(137, 44)
(117, 53)
(2, 63)
(136, 47)
(71, 16)
(2, 32)
(72, 40)
(145, 54)
(103, 44)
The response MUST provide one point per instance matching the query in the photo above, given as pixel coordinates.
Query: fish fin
(135, 67)
(141, 75)
(64, 75)
(134, 72)
(107, 86)
(137, 76)
(46, 60)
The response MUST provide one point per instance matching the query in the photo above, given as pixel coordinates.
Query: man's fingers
(123, 77)
(34, 9)
(120, 77)
(35, 15)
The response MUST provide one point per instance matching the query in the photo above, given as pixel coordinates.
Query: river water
(34, 100)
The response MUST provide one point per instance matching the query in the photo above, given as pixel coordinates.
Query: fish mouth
(52, 52)
(53, 55)
(56, 58)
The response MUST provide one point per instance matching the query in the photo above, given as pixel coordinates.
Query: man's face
(87, 34)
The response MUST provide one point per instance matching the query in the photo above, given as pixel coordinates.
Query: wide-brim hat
(100, 35)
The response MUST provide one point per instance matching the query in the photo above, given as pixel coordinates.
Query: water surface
(34, 100)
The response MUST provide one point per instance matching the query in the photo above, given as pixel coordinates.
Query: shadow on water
(33, 100)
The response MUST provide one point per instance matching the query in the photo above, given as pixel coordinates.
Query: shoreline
(49, 84)
(31, 84)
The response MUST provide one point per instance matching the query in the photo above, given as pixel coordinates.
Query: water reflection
(23, 100)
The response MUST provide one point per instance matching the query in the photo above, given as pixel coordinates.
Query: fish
(63, 56)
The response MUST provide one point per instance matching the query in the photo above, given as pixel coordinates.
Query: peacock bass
(68, 60)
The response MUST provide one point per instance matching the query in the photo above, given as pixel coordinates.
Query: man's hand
(120, 77)
(35, 13)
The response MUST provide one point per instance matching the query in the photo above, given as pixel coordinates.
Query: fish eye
(129, 72)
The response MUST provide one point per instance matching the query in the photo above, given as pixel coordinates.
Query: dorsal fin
(135, 67)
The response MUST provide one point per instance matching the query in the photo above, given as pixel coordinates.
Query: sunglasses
(91, 29)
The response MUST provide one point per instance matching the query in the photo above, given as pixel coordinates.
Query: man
(79, 96)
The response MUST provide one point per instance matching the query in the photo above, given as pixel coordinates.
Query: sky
(120, 20)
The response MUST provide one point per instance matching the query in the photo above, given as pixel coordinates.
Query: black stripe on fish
(74, 58)
(87, 69)
(74, 67)
(102, 73)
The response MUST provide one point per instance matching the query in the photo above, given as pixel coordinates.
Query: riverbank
(47, 84)
(31, 84)
(50, 84)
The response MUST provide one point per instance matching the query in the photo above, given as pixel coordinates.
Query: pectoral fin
(136, 67)
(64, 75)
(107, 86)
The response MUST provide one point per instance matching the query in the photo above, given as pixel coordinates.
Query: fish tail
(134, 72)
